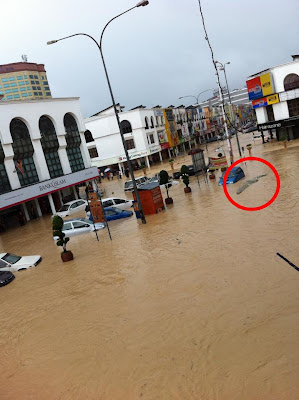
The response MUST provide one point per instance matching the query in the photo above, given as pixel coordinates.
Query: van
(142, 180)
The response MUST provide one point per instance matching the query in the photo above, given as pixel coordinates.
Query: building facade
(43, 156)
(24, 81)
(140, 127)
(274, 93)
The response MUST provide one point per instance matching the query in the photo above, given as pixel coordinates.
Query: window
(35, 93)
(8, 91)
(12, 78)
(46, 88)
(40, 93)
(22, 89)
(270, 113)
(6, 85)
(48, 94)
(146, 123)
(37, 83)
(109, 213)
(293, 106)
(19, 77)
(67, 227)
(23, 152)
(130, 144)
(42, 77)
(35, 77)
(119, 201)
(33, 87)
(16, 96)
(291, 81)
(21, 83)
(152, 122)
(77, 225)
(157, 121)
(25, 76)
(32, 82)
(4, 182)
(126, 126)
(13, 84)
(73, 141)
(28, 88)
(29, 94)
(24, 95)
(9, 97)
(39, 88)
(31, 76)
(93, 153)
(26, 82)
(151, 139)
(88, 136)
(108, 203)
(15, 90)
(45, 83)
(162, 120)
(50, 146)
(4, 79)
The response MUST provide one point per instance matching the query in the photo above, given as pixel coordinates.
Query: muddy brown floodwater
(194, 305)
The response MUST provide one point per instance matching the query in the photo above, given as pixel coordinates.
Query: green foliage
(164, 178)
(171, 160)
(184, 170)
(57, 224)
(282, 137)
(142, 166)
(186, 179)
(185, 175)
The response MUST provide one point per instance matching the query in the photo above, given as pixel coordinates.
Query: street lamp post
(222, 68)
(140, 4)
(195, 97)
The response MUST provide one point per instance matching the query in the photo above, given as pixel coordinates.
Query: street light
(196, 98)
(99, 45)
(222, 68)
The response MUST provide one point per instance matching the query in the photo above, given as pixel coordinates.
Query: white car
(121, 204)
(11, 262)
(142, 180)
(77, 226)
(72, 207)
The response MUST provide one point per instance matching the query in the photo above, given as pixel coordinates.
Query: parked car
(234, 176)
(11, 262)
(112, 213)
(156, 179)
(6, 277)
(176, 175)
(78, 226)
(142, 180)
(72, 207)
(212, 139)
(121, 204)
(251, 128)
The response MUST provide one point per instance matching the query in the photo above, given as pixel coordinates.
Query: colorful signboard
(170, 127)
(260, 86)
(266, 101)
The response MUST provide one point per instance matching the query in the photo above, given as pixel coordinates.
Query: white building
(275, 97)
(140, 127)
(43, 155)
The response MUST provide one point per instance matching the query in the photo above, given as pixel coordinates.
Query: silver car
(77, 226)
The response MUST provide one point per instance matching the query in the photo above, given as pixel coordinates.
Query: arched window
(157, 121)
(162, 120)
(50, 146)
(126, 127)
(146, 123)
(88, 137)
(291, 81)
(23, 152)
(4, 181)
(73, 141)
(152, 122)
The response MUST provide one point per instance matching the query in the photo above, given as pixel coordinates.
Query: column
(169, 153)
(94, 185)
(52, 205)
(147, 162)
(160, 155)
(25, 211)
(60, 197)
(75, 193)
(184, 147)
(189, 144)
(121, 167)
(39, 211)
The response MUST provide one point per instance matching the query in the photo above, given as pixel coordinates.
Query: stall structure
(151, 199)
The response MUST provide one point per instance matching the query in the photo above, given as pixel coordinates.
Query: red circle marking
(251, 159)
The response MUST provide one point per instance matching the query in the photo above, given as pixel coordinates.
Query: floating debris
(248, 183)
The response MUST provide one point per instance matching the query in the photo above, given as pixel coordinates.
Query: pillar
(184, 147)
(52, 205)
(160, 155)
(121, 167)
(147, 162)
(39, 211)
(60, 197)
(25, 211)
(189, 144)
(94, 185)
(75, 193)
(169, 153)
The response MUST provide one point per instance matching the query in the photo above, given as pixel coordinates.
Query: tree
(185, 175)
(164, 180)
(57, 224)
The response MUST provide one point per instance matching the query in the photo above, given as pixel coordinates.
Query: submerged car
(12, 262)
(77, 226)
(234, 176)
(142, 180)
(112, 213)
(122, 204)
(6, 277)
(156, 179)
(71, 208)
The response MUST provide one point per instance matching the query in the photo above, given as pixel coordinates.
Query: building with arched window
(43, 156)
(274, 93)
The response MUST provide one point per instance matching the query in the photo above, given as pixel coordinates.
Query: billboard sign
(266, 101)
(254, 88)
(267, 84)
(273, 99)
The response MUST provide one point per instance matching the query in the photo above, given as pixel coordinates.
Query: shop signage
(165, 146)
(138, 154)
(27, 193)
(260, 86)
(266, 101)
(267, 126)
(273, 99)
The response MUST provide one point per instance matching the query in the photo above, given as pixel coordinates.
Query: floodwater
(193, 305)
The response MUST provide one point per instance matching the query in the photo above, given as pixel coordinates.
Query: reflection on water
(194, 305)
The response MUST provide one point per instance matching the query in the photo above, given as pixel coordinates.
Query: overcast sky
(154, 54)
